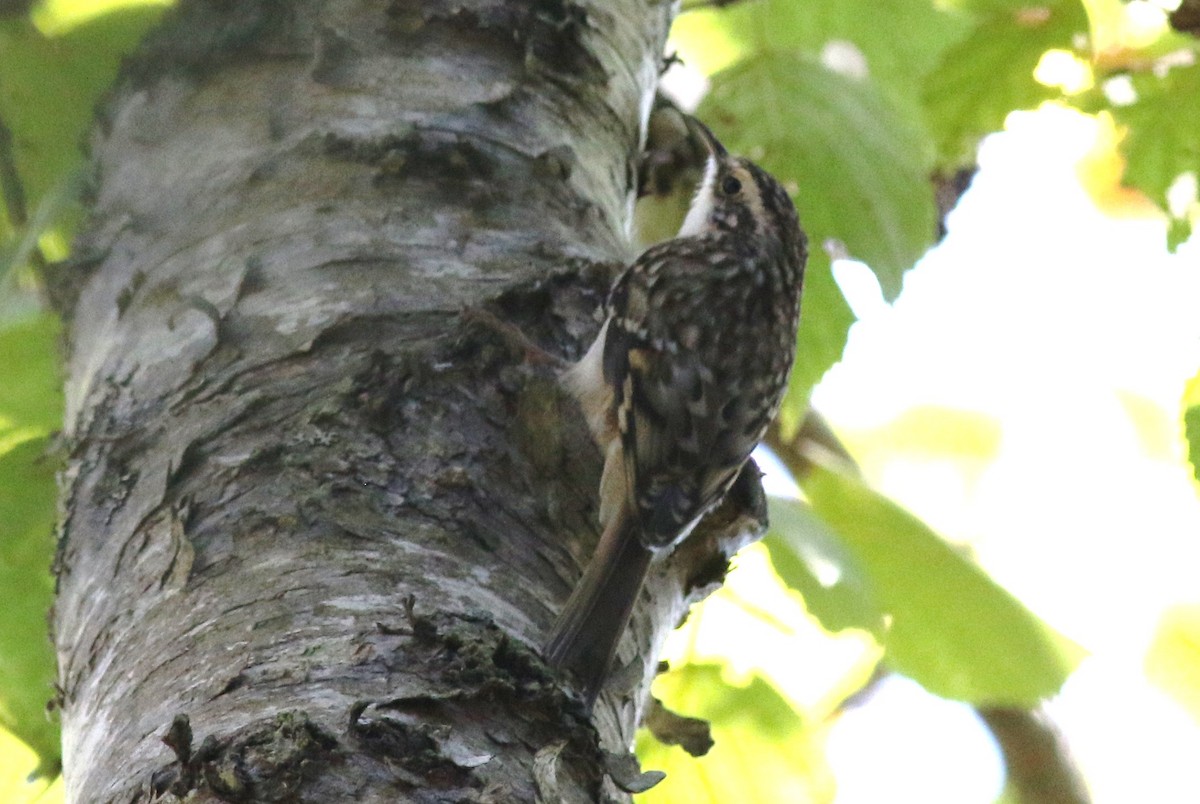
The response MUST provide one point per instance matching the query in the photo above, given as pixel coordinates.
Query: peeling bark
(314, 525)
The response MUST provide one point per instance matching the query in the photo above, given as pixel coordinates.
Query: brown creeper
(679, 386)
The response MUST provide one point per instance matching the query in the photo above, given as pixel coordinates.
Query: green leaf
(1179, 231)
(1173, 660)
(30, 386)
(859, 162)
(27, 494)
(825, 321)
(51, 84)
(30, 410)
(49, 87)
(952, 628)
(16, 786)
(1191, 423)
(989, 73)
(762, 750)
(900, 41)
(812, 560)
(1163, 139)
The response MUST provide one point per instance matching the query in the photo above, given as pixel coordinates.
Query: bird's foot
(513, 337)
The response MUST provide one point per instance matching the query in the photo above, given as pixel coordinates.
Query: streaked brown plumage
(679, 387)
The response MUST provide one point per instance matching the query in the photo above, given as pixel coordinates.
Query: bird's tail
(584, 639)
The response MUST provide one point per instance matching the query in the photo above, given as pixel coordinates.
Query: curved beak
(710, 140)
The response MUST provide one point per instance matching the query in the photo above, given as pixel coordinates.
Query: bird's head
(738, 196)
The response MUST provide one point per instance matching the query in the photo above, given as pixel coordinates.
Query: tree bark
(315, 525)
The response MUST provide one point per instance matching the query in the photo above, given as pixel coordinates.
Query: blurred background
(1022, 396)
(989, 530)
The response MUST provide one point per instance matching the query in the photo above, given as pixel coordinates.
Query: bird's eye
(731, 186)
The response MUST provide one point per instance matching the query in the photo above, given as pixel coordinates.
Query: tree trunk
(314, 525)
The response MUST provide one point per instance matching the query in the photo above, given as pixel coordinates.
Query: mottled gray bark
(308, 510)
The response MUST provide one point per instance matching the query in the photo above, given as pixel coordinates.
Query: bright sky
(1073, 333)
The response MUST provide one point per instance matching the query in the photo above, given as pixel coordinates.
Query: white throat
(702, 205)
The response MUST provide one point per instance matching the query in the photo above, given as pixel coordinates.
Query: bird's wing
(684, 389)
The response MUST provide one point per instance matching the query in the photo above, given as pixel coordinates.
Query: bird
(688, 369)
